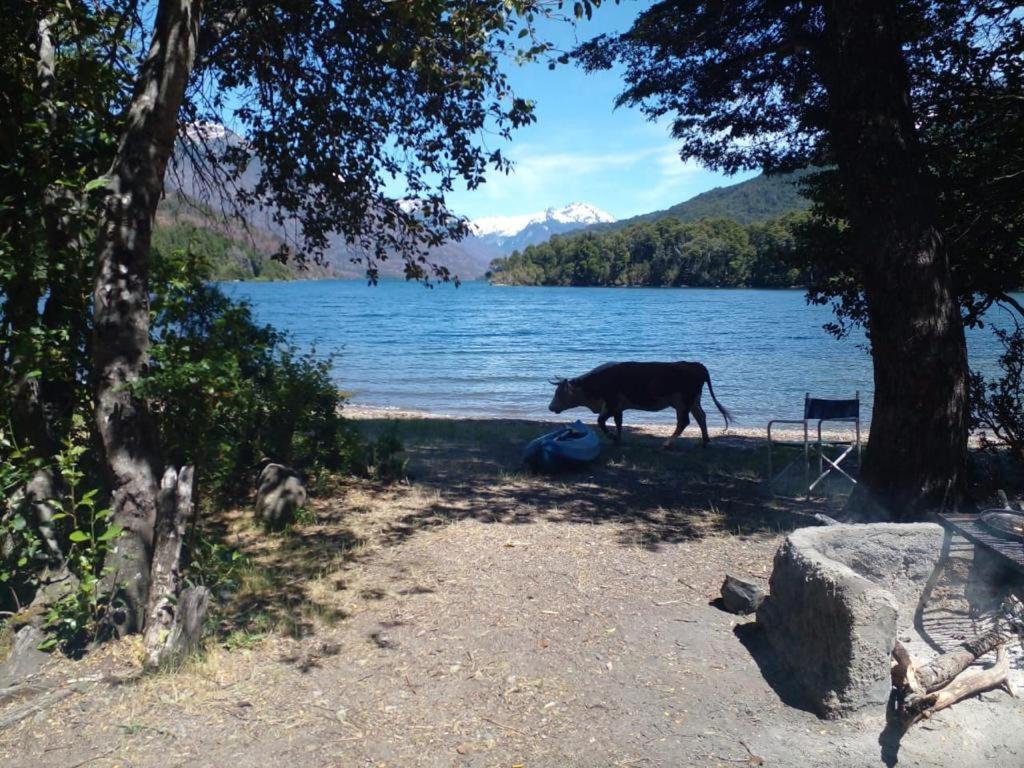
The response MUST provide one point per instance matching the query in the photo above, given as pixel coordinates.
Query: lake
(482, 350)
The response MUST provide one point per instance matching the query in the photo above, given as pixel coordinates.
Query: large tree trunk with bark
(121, 301)
(917, 450)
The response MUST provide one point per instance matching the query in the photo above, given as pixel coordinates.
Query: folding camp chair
(820, 411)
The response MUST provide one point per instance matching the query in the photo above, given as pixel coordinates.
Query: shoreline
(788, 433)
(363, 412)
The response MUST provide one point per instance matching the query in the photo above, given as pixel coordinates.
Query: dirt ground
(478, 616)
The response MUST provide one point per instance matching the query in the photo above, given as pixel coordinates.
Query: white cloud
(542, 178)
(579, 162)
(673, 166)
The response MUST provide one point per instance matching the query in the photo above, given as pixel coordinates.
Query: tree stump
(280, 494)
(173, 620)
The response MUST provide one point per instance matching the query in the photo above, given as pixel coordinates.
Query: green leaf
(78, 536)
(96, 183)
(111, 533)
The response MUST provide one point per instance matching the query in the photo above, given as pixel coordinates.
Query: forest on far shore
(667, 252)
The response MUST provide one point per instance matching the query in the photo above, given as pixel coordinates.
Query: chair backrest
(816, 408)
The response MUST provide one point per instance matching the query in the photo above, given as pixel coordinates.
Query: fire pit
(840, 595)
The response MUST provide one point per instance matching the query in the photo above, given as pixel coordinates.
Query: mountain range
(491, 237)
(512, 233)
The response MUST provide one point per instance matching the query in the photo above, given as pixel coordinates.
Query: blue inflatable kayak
(565, 448)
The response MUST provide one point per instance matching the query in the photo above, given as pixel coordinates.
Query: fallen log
(922, 706)
(923, 689)
(911, 677)
(941, 670)
(904, 677)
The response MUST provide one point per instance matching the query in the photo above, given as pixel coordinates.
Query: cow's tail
(725, 414)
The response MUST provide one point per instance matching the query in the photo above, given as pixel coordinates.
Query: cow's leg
(603, 418)
(701, 419)
(618, 426)
(682, 420)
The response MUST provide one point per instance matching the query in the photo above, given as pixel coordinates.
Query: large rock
(740, 596)
(838, 596)
(280, 494)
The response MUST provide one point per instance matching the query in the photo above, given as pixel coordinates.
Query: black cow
(611, 388)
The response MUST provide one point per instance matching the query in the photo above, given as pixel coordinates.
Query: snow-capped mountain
(202, 131)
(510, 233)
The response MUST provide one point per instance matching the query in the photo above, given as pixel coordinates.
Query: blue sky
(581, 149)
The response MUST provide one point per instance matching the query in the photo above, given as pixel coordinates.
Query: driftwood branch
(44, 702)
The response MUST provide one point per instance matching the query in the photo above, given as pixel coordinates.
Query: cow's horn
(556, 381)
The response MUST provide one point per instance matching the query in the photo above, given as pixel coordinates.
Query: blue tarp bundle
(565, 448)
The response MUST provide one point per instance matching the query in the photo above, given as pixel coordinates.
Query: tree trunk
(121, 301)
(917, 450)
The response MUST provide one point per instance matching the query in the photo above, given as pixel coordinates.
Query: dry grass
(476, 616)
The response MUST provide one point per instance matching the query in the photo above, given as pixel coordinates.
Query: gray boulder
(838, 596)
(279, 495)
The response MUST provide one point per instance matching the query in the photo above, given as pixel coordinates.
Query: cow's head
(568, 394)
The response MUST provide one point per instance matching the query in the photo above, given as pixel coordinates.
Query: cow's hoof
(666, 446)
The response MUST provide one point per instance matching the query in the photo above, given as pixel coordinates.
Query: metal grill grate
(974, 530)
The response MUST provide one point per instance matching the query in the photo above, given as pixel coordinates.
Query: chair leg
(834, 466)
(807, 463)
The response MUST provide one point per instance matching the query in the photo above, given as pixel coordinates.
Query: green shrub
(80, 527)
(22, 553)
(381, 460)
(227, 391)
(997, 405)
(72, 621)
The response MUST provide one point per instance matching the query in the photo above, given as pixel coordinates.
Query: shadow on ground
(654, 496)
(471, 470)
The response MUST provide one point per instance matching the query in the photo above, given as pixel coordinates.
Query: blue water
(481, 350)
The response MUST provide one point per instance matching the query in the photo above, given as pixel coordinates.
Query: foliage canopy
(746, 85)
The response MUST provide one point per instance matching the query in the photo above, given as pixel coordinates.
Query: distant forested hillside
(664, 252)
(233, 252)
(228, 259)
(758, 199)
